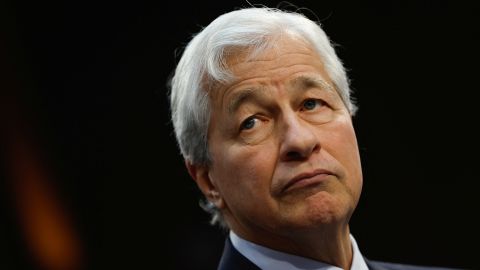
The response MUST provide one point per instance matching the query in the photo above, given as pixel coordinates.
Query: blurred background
(90, 176)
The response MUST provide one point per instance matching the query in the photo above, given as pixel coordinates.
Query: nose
(298, 139)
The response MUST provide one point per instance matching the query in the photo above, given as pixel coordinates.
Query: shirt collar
(267, 258)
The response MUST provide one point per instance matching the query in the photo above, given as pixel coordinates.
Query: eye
(311, 104)
(249, 123)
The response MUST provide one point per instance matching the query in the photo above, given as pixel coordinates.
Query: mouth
(306, 179)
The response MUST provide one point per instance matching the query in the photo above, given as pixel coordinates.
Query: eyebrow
(242, 96)
(306, 82)
(303, 83)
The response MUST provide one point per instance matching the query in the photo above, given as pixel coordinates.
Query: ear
(201, 175)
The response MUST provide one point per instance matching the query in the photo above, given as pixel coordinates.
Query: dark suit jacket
(233, 260)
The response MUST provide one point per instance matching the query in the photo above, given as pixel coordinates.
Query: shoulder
(377, 265)
(232, 260)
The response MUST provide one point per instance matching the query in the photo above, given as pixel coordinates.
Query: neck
(332, 246)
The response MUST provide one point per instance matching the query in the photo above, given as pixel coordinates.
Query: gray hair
(203, 66)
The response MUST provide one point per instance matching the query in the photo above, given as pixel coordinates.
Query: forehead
(280, 63)
(279, 53)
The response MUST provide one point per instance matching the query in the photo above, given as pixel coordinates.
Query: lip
(306, 179)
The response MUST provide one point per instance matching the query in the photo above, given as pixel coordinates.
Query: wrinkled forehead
(271, 49)
(235, 57)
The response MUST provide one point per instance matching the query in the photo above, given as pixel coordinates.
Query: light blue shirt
(269, 259)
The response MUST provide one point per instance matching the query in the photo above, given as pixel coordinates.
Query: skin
(285, 168)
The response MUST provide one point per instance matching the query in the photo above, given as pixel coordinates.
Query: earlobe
(201, 175)
(215, 198)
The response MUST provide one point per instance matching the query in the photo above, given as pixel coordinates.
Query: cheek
(345, 142)
(244, 180)
(244, 167)
(344, 148)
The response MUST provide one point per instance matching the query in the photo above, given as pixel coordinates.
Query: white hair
(203, 66)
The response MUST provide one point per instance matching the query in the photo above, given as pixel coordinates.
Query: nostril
(316, 148)
(298, 154)
(294, 155)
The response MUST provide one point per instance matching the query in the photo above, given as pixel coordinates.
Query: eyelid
(260, 120)
(319, 102)
(242, 123)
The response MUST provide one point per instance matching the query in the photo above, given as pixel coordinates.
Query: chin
(325, 208)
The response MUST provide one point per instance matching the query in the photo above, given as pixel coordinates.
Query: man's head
(262, 112)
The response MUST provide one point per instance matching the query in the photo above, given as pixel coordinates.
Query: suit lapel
(233, 260)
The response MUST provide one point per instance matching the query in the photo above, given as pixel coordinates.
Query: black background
(92, 77)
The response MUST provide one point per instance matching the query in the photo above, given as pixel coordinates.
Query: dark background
(91, 77)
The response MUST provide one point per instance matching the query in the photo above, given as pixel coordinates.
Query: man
(262, 112)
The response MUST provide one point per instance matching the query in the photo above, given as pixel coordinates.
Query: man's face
(284, 152)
